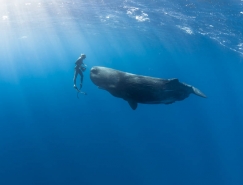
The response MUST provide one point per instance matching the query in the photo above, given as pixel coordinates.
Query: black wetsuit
(78, 70)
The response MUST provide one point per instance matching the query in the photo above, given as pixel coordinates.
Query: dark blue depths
(48, 136)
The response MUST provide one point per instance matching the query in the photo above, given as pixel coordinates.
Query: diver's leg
(74, 78)
(81, 78)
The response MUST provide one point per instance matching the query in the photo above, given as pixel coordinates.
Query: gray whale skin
(141, 89)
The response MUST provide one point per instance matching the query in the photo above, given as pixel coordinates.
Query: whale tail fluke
(198, 92)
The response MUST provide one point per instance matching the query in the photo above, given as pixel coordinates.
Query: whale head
(104, 78)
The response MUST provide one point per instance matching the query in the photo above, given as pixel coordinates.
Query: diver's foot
(75, 87)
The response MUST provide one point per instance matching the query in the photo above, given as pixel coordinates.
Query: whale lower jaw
(134, 104)
(167, 101)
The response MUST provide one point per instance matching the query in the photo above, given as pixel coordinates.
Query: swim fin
(84, 93)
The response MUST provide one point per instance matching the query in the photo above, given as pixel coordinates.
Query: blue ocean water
(48, 136)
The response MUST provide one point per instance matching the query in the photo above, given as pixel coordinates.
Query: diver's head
(83, 56)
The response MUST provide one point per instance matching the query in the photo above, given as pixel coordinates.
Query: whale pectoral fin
(133, 104)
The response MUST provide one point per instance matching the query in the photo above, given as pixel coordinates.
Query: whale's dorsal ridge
(174, 80)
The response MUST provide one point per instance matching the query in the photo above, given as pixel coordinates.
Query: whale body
(141, 89)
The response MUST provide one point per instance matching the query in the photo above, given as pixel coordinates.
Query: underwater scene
(121, 92)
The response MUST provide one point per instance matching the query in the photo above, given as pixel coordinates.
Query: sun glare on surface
(31, 29)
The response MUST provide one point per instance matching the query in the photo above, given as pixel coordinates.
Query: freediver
(79, 68)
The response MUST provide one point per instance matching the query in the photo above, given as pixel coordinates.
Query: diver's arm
(83, 64)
